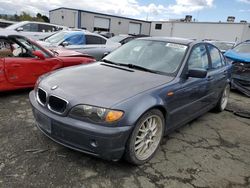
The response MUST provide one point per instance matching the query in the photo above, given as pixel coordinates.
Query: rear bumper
(104, 142)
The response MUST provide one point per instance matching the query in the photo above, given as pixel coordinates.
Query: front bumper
(104, 142)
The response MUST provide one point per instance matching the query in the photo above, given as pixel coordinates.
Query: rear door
(217, 73)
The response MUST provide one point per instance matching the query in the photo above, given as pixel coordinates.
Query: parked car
(123, 39)
(82, 41)
(223, 45)
(106, 34)
(35, 30)
(239, 56)
(123, 105)
(22, 61)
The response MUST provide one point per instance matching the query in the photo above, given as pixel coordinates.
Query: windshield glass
(117, 38)
(242, 48)
(58, 37)
(158, 56)
(223, 45)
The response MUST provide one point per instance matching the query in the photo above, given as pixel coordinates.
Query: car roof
(171, 39)
(6, 33)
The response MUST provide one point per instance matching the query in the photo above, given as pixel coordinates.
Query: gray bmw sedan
(123, 105)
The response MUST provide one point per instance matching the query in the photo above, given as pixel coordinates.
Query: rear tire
(223, 100)
(145, 138)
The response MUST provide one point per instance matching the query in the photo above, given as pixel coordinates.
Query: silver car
(81, 41)
(35, 30)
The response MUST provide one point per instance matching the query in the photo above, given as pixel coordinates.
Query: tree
(45, 18)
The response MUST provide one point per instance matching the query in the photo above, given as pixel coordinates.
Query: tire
(145, 138)
(223, 100)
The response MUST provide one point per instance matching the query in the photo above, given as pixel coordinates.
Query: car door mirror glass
(197, 73)
(39, 54)
(19, 29)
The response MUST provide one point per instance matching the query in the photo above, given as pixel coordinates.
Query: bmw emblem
(54, 87)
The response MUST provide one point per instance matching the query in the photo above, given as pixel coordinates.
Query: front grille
(57, 105)
(41, 96)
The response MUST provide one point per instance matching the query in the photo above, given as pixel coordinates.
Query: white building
(93, 21)
(202, 30)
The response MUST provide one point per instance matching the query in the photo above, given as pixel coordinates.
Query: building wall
(64, 17)
(71, 19)
(219, 31)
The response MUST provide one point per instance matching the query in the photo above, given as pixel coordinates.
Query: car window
(198, 58)
(21, 47)
(78, 39)
(90, 39)
(5, 49)
(127, 40)
(30, 27)
(242, 48)
(215, 57)
(158, 56)
(46, 28)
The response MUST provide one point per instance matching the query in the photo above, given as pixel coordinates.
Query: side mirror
(197, 73)
(65, 43)
(19, 29)
(39, 54)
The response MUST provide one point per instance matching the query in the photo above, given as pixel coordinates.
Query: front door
(193, 94)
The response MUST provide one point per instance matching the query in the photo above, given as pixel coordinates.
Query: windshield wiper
(110, 62)
(133, 66)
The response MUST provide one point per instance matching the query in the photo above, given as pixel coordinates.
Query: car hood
(100, 84)
(46, 44)
(62, 52)
(243, 57)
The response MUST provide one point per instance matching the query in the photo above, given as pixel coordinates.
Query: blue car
(239, 56)
(123, 105)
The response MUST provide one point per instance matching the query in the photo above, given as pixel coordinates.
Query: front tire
(145, 138)
(222, 103)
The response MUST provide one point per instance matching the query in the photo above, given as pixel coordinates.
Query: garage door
(134, 28)
(101, 23)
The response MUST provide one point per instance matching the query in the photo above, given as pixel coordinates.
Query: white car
(35, 30)
(81, 41)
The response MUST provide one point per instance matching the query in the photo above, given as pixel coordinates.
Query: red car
(22, 61)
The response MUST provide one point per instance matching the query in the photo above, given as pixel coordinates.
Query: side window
(90, 39)
(5, 48)
(45, 28)
(76, 40)
(31, 27)
(198, 58)
(215, 57)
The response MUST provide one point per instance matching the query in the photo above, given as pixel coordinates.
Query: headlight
(96, 114)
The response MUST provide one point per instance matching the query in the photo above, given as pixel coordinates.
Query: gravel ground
(212, 151)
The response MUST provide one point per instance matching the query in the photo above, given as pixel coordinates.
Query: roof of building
(99, 14)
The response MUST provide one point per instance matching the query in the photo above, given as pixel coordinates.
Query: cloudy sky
(202, 10)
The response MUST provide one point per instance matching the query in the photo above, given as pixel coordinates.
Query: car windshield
(242, 48)
(117, 38)
(58, 37)
(223, 45)
(159, 56)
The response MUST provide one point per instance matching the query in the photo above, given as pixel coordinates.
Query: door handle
(209, 78)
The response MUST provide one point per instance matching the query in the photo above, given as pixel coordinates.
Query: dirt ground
(212, 151)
